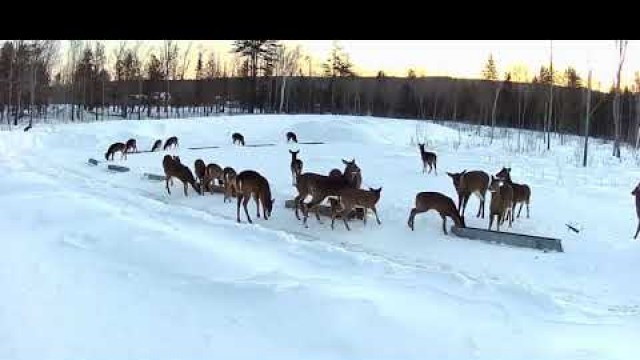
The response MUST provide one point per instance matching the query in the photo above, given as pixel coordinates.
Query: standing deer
(237, 138)
(200, 170)
(296, 166)
(350, 199)
(156, 145)
(443, 204)
(428, 158)
(115, 147)
(356, 177)
(229, 178)
(173, 168)
(291, 136)
(131, 146)
(521, 192)
(321, 186)
(172, 141)
(636, 193)
(466, 183)
(251, 183)
(213, 172)
(501, 205)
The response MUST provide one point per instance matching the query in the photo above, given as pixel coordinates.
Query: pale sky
(458, 58)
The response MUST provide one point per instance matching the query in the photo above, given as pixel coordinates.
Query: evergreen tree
(490, 72)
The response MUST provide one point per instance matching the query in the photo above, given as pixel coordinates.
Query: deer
(156, 145)
(466, 183)
(441, 203)
(173, 168)
(428, 158)
(250, 183)
(321, 186)
(229, 179)
(501, 205)
(131, 146)
(350, 199)
(213, 172)
(115, 147)
(521, 192)
(291, 136)
(356, 177)
(172, 141)
(296, 166)
(237, 138)
(636, 193)
(200, 170)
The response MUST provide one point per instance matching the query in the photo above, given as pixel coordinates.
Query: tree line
(267, 77)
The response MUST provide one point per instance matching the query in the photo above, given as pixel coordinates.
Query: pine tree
(490, 72)
(256, 52)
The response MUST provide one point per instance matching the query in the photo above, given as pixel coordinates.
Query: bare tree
(621, 46)
(586, 122)
(289, 60)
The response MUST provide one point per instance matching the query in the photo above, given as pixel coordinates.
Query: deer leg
(244, 204)
(637, 230)
(344, 214)
(490, 220)
(424, 167)
(444, 223)
(375, 212)
(435, 167)
(527, 209)
(185, 188)
(520, 209)
(464, 205)
(412, 215)
(238, 208)
(167, 184)
(297, 203)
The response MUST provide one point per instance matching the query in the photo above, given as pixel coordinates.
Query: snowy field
(102, 265)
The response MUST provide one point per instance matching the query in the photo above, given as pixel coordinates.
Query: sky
(457, 58)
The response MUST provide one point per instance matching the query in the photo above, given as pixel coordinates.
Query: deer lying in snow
(443, 204)
(636, 193)
(173, 168)
(115, 147)
(296, 166)
(521, 192)
(349, 199)
(466, 183)
(250, 183)
(229, 179)
(156, 145)
(501, 205)
(321, 186)
(172, 141)
(200, 170)
(291, 136)
(428, 158)
(237, 138)
(213, 172)
(131, 146)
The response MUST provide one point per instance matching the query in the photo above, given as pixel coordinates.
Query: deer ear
(345, 162)
(508, 170)
(450, 174)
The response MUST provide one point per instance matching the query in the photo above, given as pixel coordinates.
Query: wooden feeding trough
(311, 142)
(259, 145)
(325, 210)
(93, 162)
(154, 177)
(117, 168)
(203, 147)
(520, 240)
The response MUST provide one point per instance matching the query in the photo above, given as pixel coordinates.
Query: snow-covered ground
(104, 265)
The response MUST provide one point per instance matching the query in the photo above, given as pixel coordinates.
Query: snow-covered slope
(106, 265)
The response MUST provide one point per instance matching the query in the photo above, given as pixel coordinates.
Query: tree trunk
(586, 123)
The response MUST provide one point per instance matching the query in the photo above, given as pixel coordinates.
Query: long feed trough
(325, 210)
(520, 240)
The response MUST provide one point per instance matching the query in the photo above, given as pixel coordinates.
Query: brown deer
(443, 204)
(200, 170)
(636, 193)
(356, 177)
(355, 198)
(172, 141)
(321, 186)
(296, 166)
(173, 168)
(115, 147)
(156, 145)
(229, 179)
(428, 158)
(466, 183)
(251, 183)
(213, 172)
(521, 192)
(501, 205)
(237, 138)
(131, 146)
(291, 136)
